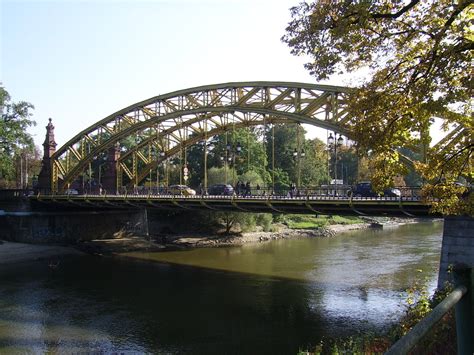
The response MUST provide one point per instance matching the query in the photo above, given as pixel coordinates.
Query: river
(275, 297)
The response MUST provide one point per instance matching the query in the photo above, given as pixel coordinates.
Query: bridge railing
(462, 299)
(326, 192)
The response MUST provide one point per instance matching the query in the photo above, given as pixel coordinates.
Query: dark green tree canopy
(419, 56)
(16, 118)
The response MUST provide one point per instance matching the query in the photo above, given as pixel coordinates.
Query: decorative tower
(109, 179)
(49, 146)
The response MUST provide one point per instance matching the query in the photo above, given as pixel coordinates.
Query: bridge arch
(205, 111)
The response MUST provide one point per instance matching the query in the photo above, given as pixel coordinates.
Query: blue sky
(79, 61)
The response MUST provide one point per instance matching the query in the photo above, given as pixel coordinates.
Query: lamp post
(162, 155)
(230, 153)
(333, 144)
(297, 156)
(166, 170)
(99, 161)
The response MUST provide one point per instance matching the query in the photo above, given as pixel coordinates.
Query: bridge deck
(374, 206)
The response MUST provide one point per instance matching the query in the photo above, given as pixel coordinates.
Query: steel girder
(169, 122)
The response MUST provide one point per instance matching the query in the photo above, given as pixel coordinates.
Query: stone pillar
(49, 147)
(109, 179)
(458, 246)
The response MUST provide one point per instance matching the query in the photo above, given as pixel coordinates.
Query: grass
(295, 221)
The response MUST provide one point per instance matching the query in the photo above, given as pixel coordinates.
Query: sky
(78, 61)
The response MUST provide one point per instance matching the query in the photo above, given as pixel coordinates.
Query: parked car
(220, 189)
(364, 189)
(181, 190)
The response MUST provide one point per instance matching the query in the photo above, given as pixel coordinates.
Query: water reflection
(272, 297)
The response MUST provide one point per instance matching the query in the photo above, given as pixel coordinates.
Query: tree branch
(398, 13)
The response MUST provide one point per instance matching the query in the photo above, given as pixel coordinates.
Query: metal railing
(316, 192)
(462, 299)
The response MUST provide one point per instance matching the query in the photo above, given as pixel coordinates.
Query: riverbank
(193, 240)
(164, 242)
(12, 253)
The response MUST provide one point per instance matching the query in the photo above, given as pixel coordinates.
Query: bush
(265, 220)
(441, 339)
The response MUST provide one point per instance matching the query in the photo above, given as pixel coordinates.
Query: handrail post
(464, 311)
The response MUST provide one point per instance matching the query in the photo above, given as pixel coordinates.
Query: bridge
(139, 144)
(320, 202)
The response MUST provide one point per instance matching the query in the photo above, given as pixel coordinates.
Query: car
(364, 189)
(181, 190)
(392, 192)
(71, 192)
(221, 189)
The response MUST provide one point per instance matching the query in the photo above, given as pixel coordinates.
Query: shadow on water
(116, 305)
(271, 298)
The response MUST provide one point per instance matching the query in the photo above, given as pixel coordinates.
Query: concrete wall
(457, 247)
(65, 227)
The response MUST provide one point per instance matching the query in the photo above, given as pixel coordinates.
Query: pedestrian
(237, 188)
(258, 189)
(247, 188)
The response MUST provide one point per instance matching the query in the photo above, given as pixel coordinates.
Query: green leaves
(13, 136)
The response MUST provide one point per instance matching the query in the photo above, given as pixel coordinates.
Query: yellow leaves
(449, 198)
(419, 70)
(385, 167)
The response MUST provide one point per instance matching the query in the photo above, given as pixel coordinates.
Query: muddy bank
(183, 241)
(165, 242)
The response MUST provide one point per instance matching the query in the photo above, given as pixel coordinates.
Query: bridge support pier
(458, 246)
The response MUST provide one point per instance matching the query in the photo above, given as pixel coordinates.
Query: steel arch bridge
(164, 124)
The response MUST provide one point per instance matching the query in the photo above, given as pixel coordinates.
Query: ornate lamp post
(297, 156)
(162, 155)
(99, 161)
(333, 144)
(230, 153)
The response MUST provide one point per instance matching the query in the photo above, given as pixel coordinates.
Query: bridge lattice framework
(163, 125)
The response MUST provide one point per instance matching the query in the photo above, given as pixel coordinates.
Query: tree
(218, 175)
(418, 55)
(14, 140)
(348, 165)
(314, 167)
(285, 142)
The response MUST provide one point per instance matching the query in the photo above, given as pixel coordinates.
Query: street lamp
(230, 153)
(333, 144)
(297, 155)
(99, 161)
(162, 155)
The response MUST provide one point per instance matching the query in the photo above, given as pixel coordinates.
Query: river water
(274, 297)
